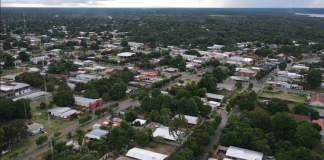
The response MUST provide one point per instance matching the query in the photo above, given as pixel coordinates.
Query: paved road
(215, 138)
(122, 105)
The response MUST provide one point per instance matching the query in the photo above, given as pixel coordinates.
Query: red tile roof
(301, 117)
(317, 97)
(320, 122)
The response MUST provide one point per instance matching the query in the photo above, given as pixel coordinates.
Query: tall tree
(314, 77)
(306, 135)
(63, 98)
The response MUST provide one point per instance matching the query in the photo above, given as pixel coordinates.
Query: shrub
(152, 144)
(211, 152)
(122, 151)
(57, 134)
(42, 105)
(89, 130)
(116, 153)
(90, 111)
(77, 108)
(137, 123)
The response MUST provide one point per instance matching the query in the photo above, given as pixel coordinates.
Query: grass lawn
(222, 92)
(214, 115)
(233, 96)
(123, 99)
(11, 71)
(291, 106)
(57, 124)
(286, 96)
(259, 91)
(240, 89)
(113, 58)
(229, 112)
(317, 90)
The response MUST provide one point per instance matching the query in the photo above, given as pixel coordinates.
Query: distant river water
(311, 15)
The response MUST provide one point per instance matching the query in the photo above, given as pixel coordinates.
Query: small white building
(34, 96)
(124, 55)
(243, 154)
(143, 154)
(34, 128)
(96, 133)
(164, 132)
(62, 112)
(142, 121)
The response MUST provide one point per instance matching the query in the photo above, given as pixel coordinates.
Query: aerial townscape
(161, 84)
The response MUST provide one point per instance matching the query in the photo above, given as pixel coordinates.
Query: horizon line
(169, 7)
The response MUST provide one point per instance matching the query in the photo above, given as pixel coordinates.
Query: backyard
(11, 71)
(160, 148)
(286, 96)
(240, 89)
(40, 116)
(214, 115)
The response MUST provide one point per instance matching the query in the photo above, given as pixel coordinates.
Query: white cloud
(317, 4)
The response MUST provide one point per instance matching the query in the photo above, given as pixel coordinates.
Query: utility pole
(25, 111)
(48, 117)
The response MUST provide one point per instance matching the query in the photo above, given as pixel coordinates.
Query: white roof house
(142, 121)
(164, 132)
(142, 154)
(62, 112)
(34, 96)
(300, 67)
(215, 96)
(96, 133)
(241, 153)
(190, 119)
(34, 69)
(124, 55)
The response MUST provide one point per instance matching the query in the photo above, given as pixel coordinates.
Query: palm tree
(69, 136)
(79, 135)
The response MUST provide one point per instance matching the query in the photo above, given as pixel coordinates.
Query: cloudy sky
(167, 3)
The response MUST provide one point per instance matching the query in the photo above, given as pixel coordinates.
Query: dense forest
(188, 27)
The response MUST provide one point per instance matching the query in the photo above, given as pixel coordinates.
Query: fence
(104, 157)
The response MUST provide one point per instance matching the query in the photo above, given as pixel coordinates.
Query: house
(221, 86)
(260, 63)
(243, 154)
(34, 128)
(37, 51)
(142, 121)
(257, 69)
(34, 69)
(148, 74)
(305, 55)
(124, 55)
(321, 113)
(253, 56)
(85, 77)
(192, 121)
(301, 117)
(241, 60)
(299, 67)
(215, 97)
(8, 78)
(143, 154)
(321, 123)
(240, 78)
(171, 70)
(62, 112)
(246, 73)
(13, 89)
(216, 46)
(96, 133)
(34, 96)
(164, 132)
(87, 103)
(201, 59)
(317, 99)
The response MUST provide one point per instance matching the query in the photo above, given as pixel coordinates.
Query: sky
(166, 3)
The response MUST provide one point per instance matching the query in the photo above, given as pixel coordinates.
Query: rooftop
(96, 133)
(125, 54)
(317, 97)
(34, 126)
(84, 100)
(301, 117)
(242, 153)
(86, 76)
(164, 132)
(32, 95)
(145, 154)
(190, 119)
(214, 96)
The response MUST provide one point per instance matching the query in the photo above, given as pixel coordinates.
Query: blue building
(85, 77)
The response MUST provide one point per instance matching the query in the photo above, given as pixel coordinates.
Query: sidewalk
(122, 105)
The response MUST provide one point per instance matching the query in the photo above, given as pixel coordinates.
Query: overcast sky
(167, 3)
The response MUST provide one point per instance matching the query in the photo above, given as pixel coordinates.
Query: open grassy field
(240, 89)
(57, 125)
(160, 148)
(259, 91)
(214, 115)
(321, 90)
(113, 58)
(12, 71)
(286, 96)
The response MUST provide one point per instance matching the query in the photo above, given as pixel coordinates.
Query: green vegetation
(11, 71)
(214, 114)
(286, 96)
(240, 89)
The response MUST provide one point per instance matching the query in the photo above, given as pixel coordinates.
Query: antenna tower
(24, 18)
(4, 26)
